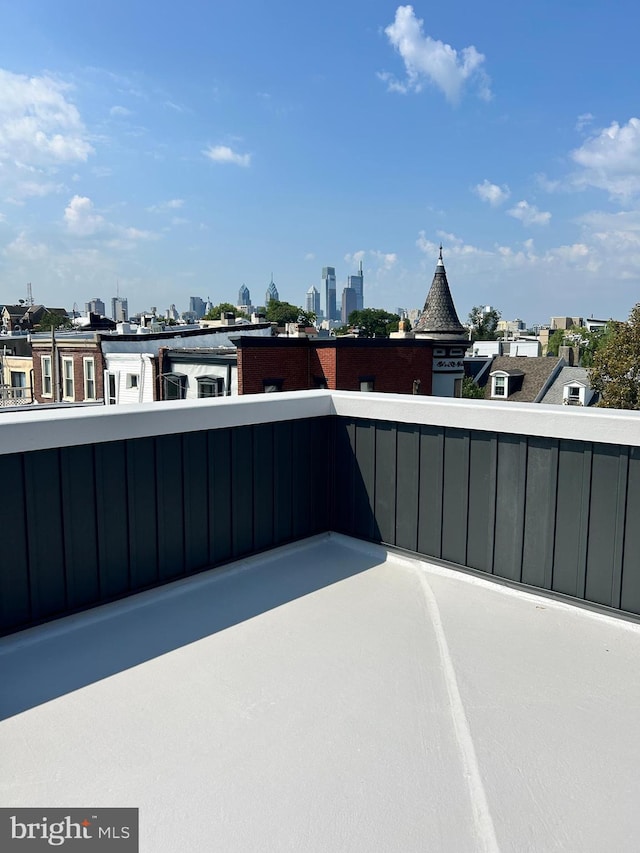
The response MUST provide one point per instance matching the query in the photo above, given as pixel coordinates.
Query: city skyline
(180, 152)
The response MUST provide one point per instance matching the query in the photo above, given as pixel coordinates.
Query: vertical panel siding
(388, 478)
(15, 594)
(143, 519)
(79, 525)
(510, 495)
(196, 501)
(364, 480)
(430, 491)
(43, 491)
(242, 491)
(482, 491)
(540, 503)
(112, 518)
(406, 492)
(170, 507)
(96, 522)
(455, 496)
(630, 599)
(219, 468)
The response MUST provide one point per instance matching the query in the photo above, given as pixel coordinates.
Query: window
(67, 379)
(89, 379)
(439, 351)
(573, 395)
(367, 383)
(210, 386)
(111, 382)
(455, 352)
(272, 386)
(132, 380)
(47, 386)
(18, 384)
(499, 388)
(175, 386)
(319, 382)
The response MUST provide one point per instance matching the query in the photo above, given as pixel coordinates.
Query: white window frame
(502, 383)
(133, 380)
(69, 397)
(89, 380)
(46, 375)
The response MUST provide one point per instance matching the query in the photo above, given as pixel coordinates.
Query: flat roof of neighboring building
(332, 696)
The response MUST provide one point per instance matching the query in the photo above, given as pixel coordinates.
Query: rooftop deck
(332, 696)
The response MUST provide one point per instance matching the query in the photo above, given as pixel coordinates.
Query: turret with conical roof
(439, 318)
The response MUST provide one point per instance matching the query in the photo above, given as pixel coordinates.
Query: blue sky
(187, 148)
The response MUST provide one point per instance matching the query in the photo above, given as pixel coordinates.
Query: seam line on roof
(479, 805)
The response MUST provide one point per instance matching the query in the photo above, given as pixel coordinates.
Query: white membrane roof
(331, 696)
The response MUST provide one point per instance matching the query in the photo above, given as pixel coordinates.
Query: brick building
(69, 371)
(345, 364)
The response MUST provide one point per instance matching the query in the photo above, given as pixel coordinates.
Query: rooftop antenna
(29, 294)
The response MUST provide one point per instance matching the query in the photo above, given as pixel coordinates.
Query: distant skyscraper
(349, 302)
(119, 309)
(313, 300)
(272, 292)
(357, 283)
(95, 306)
(329, 292)
(244, 297)
(197, 307)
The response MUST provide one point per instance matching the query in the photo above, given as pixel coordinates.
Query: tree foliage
(374, 322)
(282, 313)
(484, 325)
(587, 342)
(470, 390)
(223, 308)
(55, 319)
(616, 364)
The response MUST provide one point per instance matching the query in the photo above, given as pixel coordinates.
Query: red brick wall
(323, 363)
(78, 372)
(394, 369)
(291, 364)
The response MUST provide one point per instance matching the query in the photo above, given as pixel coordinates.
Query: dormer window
(574, 395)
(499, 386)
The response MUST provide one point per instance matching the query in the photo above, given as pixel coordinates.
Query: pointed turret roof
(439, 317)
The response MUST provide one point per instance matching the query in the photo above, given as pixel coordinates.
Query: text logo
(89, 829)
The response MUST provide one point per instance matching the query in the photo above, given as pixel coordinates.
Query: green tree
(484, 325)
(52, 318)
(306, 318)
(374, 322)
(556, 340)
(470, 390)
(616, 364)
(588, 342)
(223, 307)
(282, 313)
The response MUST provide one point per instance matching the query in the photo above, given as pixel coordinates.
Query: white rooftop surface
(331, 696)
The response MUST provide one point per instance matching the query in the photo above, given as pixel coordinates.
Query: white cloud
(22, 248)
(82, 220)
(529, 214)
(610, 160)
(164, 206)
(355, 257)
(310, 256)
(224, 154)
(38, 124)
(432, 61)
(80, 217)
(119, 112)
(492, 193)
(387, 259)
(583, 121)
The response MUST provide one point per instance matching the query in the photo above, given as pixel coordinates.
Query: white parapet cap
(44, 428)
